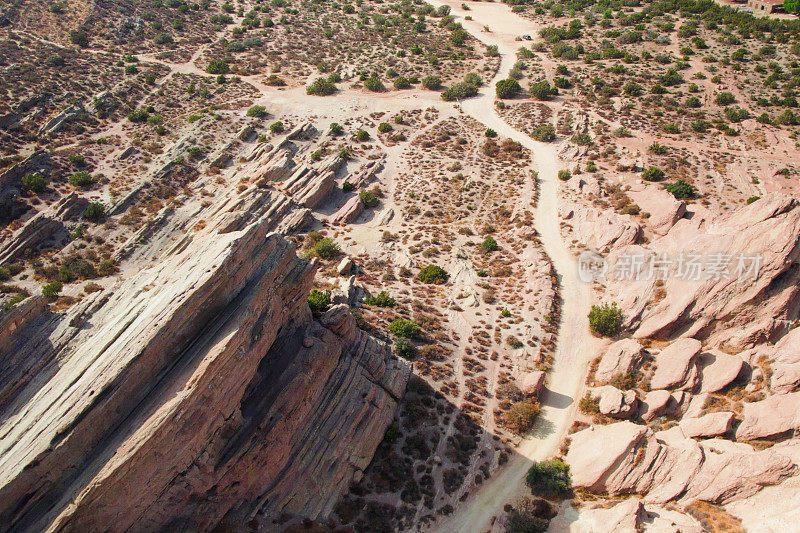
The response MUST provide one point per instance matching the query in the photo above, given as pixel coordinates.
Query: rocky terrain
(383, 266)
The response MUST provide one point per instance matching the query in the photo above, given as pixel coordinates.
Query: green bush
(321, 87)
(407, 329)
(79, 38)
(753, 199)
(368, 198)
(564, 175)
(401, 82)
(541, 90)
(218, 66)
(582, 139)
(276, 127)
(381, 300)
(374, 84)
(544, 133)
(490, 133)
(138, 115)
(95, 211)
(473, 79)
(258, 111)
(725, 98)
(34, 182)
(521, 416)
(362, 136)
(319, 301)
(489, 244)
(432, 83)
(325, 249)
(681, 189)
(432, 274)
(384, 127)
(336, 128)
(81, 179)
(507, 88)
(653, 174)
(605, 319)
(459, 91)
(549, 478)
(52, 290)
(404, 348)
(658, 149)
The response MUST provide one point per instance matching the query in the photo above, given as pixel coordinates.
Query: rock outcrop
(191, 395)
(624, 458)
(676, 365)
(775, 415)
(620, 358)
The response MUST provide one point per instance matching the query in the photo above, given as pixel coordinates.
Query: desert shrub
(541, 90)
(681, 189)
(362, 136)
(273, 80)
(325, 248)
(507, 88)
(5, 273)
(432, 83)
(95, 211)
(489, 244)
(404, 348)
(524, 521)
(605, 319)
(564, 175)
(276, 127)
(407, 329)
(368, 198)
(549, 478)
(374, 84)
(562, 83)
(81, 179)
(657, 149)
(432, 274)
(318, 301)
(384, 127)
(257, 111)
(544, 133)
(521, 416)
(653, 174)
(633, 89)
(321, 87)
(336, 128)
(459, 91)
(78, 37)
(725, 98)
(473, 79)
(138, 115)
(34, 182)
(218, 66)
(753, 199)
(582, 139)
(401, 82)
(490, 133)
(347, 186)
(589, 405)
(381, 300)
(52, 290)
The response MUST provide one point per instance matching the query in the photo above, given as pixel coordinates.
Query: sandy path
(575, 346)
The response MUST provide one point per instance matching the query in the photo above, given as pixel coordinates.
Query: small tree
(95, 211)
(368, 198)
(681, 189)
(507, 88)
(325, 249)
(725, 98)
(79, 38)
(544, 133)
(276, 127)
(321, 87)
(432, 83)
(549, 478)
(257, 111)
(521, 415)
(381, 300)
(605, 319)
(374, 84)
(432, 274)
(407, 329)
(489, 244)
(81, 179)
(336, 129)
(52, 290)
(34, 182)
(218, 66)
(319, 301)
(541, 90)
(653, 174)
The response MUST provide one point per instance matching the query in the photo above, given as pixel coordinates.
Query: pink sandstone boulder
(620, 358)
(655, 404)
(709, 425)
(676, 365)
(614, 402)
(719, 370)
(665, 210)
(775, 415)
(349, 212)
(531, 383)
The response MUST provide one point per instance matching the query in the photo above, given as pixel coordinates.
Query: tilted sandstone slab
(736, 308)
(625, 458)
(676, 365)
(619, 358)
(195, 393)
(775, 415)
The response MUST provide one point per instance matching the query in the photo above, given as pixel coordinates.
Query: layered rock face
(197, 392)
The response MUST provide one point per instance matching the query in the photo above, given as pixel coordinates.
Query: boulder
(530, 383)
(655, 404)
(775, 415)
(719, 370)
(596, 451)
(628, 515)
(709, 425)
(349, 212)
(619, 358)
(676, 365)
(614, 402)
(665, 210)
(345, 266)
(601, 229)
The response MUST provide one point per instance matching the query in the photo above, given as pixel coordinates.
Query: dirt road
(575, 345)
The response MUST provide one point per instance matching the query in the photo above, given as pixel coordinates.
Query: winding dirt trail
(575, 346)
